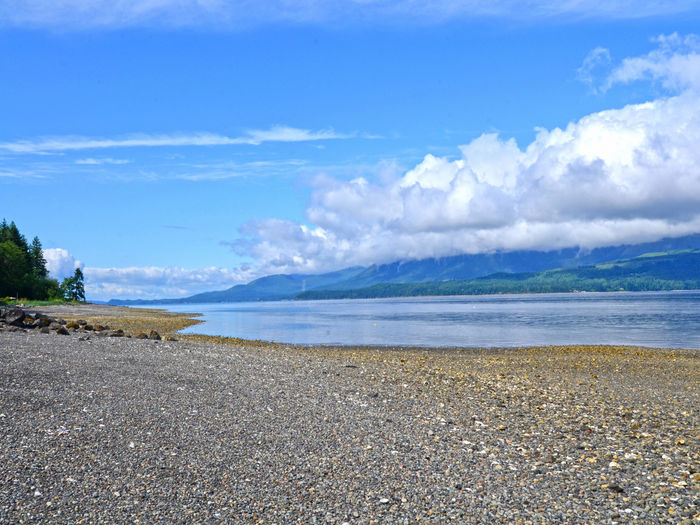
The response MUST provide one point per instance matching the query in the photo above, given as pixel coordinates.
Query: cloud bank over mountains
(617, 176)
(240, 14)
(157, 282)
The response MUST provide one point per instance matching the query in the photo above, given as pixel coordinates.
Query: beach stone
(72, 325)
(141, 335)
(249, 432)
(55, 326)
(13, 316)
(62, 330)
(154, 335)
(82, 322)
(116, 333)
(45, 330)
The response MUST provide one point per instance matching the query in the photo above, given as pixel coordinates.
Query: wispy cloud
(675, 63)
(97, 162)
(597, 60)
(143, 140)
(25, 174)
(237, 14)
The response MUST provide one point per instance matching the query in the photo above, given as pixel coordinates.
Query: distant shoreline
(144, 304)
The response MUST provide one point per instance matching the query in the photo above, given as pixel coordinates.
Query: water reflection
(669, 319)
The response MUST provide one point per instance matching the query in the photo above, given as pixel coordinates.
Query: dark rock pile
(16, 319)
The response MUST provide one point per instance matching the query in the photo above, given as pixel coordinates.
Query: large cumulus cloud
(623, 175)
(60, 263)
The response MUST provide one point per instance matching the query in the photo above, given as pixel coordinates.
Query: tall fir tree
(36, 256)
(73, 288)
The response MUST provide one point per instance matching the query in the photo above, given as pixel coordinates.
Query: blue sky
(171, 147)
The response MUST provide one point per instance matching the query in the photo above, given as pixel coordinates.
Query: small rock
(154, 335)
(62, 330)
(141, 335)
(116, 333)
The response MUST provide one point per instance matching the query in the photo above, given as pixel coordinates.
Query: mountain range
(433, 270)
(674, 270)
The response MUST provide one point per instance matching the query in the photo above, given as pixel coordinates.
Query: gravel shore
(115, 429)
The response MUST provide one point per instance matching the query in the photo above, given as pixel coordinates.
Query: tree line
(23, 272)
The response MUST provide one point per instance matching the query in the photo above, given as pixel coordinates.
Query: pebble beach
(188, 429)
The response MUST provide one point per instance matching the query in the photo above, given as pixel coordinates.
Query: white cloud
(252, 137)
(617, 176)
(96, 162)
(157, 282)
(675, 63)
(289, 134)
(237, 14)
(60, 263)
(597, 59)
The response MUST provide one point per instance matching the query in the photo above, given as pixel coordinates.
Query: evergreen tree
(73, 288)
(12, 261)
(23, 267)
(17, 238)
(36, 256)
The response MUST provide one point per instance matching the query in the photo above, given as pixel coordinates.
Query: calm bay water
(662, 319)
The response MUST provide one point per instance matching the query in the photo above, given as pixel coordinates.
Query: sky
(170, 147)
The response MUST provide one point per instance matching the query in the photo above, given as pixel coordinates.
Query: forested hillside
(678, 270)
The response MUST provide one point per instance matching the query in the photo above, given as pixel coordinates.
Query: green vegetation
(675, 270)
(73, 288)
(23, 271)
